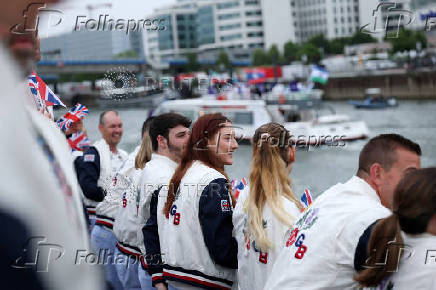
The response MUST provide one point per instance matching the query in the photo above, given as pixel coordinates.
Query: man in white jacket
(96, 171)
(40, 206)
(323, 249)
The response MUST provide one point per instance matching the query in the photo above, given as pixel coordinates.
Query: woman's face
(223, 144)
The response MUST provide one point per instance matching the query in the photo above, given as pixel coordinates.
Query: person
(266, 208)
(127, 219)
(412, 226)
(99, 164)
(320, 251)
(97, 176)
(169, 134)
(188, 237)
(40, 208)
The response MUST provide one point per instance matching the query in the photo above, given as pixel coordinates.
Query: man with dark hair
(169, 135)
(96, 171)
(330, 238)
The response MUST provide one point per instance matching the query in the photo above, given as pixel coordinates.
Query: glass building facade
(205, 25)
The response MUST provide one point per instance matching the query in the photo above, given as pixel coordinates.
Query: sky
(70, 9)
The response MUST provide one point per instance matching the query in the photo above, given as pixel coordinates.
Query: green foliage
(407, 40)
(360, 37)
(223, 61)
(273, 55)
(126, 55)
(311, 51)
(336, 46)
(320, 41)
(290, 51)
(258, 57)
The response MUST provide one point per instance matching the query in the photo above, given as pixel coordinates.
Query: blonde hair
(144, 153)
(269, 181)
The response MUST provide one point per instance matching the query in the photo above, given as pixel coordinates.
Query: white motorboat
(306, 126)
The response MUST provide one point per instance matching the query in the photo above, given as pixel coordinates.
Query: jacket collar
(162, 158)
(358, 185)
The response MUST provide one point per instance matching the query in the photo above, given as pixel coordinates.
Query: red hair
(205, 127)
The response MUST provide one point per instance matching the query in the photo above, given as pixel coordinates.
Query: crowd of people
(166, 215)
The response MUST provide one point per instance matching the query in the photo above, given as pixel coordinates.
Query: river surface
(317, 168)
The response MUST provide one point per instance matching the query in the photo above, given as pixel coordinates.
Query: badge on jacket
(225, 206)
(89, 157)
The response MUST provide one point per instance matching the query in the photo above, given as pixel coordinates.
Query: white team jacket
(107, 209)
(38, 186)
(127, 218)
(184, 252)
(157, 172)
(319, 252)
(254, 266)
(417, 268)
(106, 171)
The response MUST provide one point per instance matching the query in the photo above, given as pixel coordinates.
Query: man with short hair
(96, 171)
(324, 248)
(169, 135)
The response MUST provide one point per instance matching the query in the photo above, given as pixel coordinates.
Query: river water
(316, 168)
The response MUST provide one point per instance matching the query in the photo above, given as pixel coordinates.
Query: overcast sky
(125, 9)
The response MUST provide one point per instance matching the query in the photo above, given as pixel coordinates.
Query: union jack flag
(238, 186)
(76, 113)
(306, 198)
(33, 84)
(46, 94)
(79, 141)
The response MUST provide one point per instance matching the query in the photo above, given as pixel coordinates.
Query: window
(227, 5)
(255, 34)
(230, 26)
(251, 2)
(231, 37)
(254, 23)
(228, 16)
(253, 13)
(180, 17)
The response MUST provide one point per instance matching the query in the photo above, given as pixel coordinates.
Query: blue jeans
(144, 278)
(92, 223)
(128, 271)
(103, 242)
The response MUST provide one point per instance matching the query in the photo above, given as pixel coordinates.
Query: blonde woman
(267, 208)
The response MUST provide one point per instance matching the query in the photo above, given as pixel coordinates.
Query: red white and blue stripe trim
(195, 278)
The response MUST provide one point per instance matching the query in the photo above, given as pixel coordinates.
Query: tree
(407, 40)
(273, 55)
(311, 52)
(319, 41)
(336, 46)
(258, 57)
(290, 51)
(360, 37)
(223, 61)
(126, 54)
(192, 62)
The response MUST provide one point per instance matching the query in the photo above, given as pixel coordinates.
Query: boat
(314, 126)
(246, 115)
(374, 100)
(307, 126)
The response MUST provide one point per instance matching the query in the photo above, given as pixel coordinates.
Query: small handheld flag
(47, 95)
(238, 186)
(79, 141)
(76, 113)
(319, 75)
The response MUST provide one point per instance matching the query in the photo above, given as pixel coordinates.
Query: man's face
(177, 140)
(112, 129)
(406, 161)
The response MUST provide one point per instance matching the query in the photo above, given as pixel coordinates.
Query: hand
(161, 286)
(46, 114)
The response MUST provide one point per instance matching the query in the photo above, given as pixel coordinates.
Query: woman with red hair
(193, 243)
